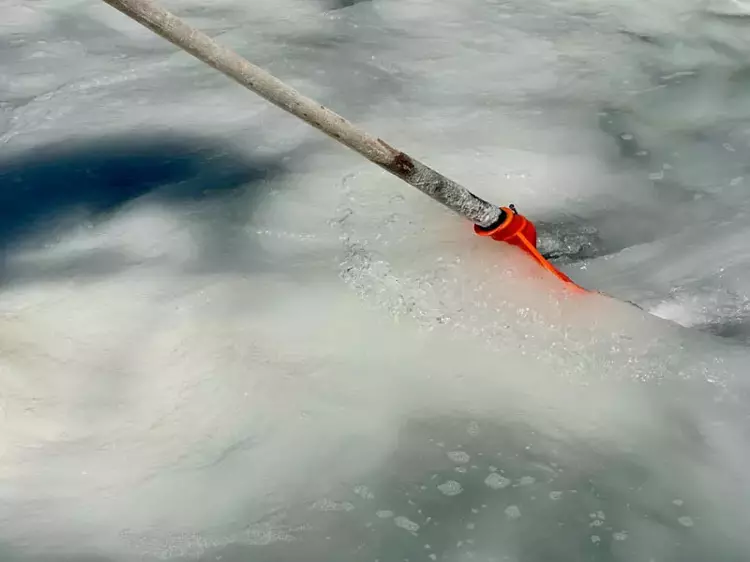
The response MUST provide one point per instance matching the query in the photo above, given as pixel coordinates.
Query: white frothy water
(223, 335)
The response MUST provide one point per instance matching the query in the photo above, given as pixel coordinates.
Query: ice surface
(224, 337)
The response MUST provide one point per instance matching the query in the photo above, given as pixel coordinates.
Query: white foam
(459, 457)
(450, 488)
(497, 482)
(513, 512)
(406, 524)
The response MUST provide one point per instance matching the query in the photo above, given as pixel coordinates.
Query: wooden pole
(198, 44)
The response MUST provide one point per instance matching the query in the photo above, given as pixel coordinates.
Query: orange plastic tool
(517, 230)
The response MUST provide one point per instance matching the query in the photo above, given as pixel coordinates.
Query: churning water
(223, 337)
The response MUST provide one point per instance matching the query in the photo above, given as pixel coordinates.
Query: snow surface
(223, 337)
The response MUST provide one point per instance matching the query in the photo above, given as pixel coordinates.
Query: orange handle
(518, 231)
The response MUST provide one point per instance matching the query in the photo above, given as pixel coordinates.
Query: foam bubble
(406, 524)
(450, 488)
(497, 481)
(513, 512)
(459, 457)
